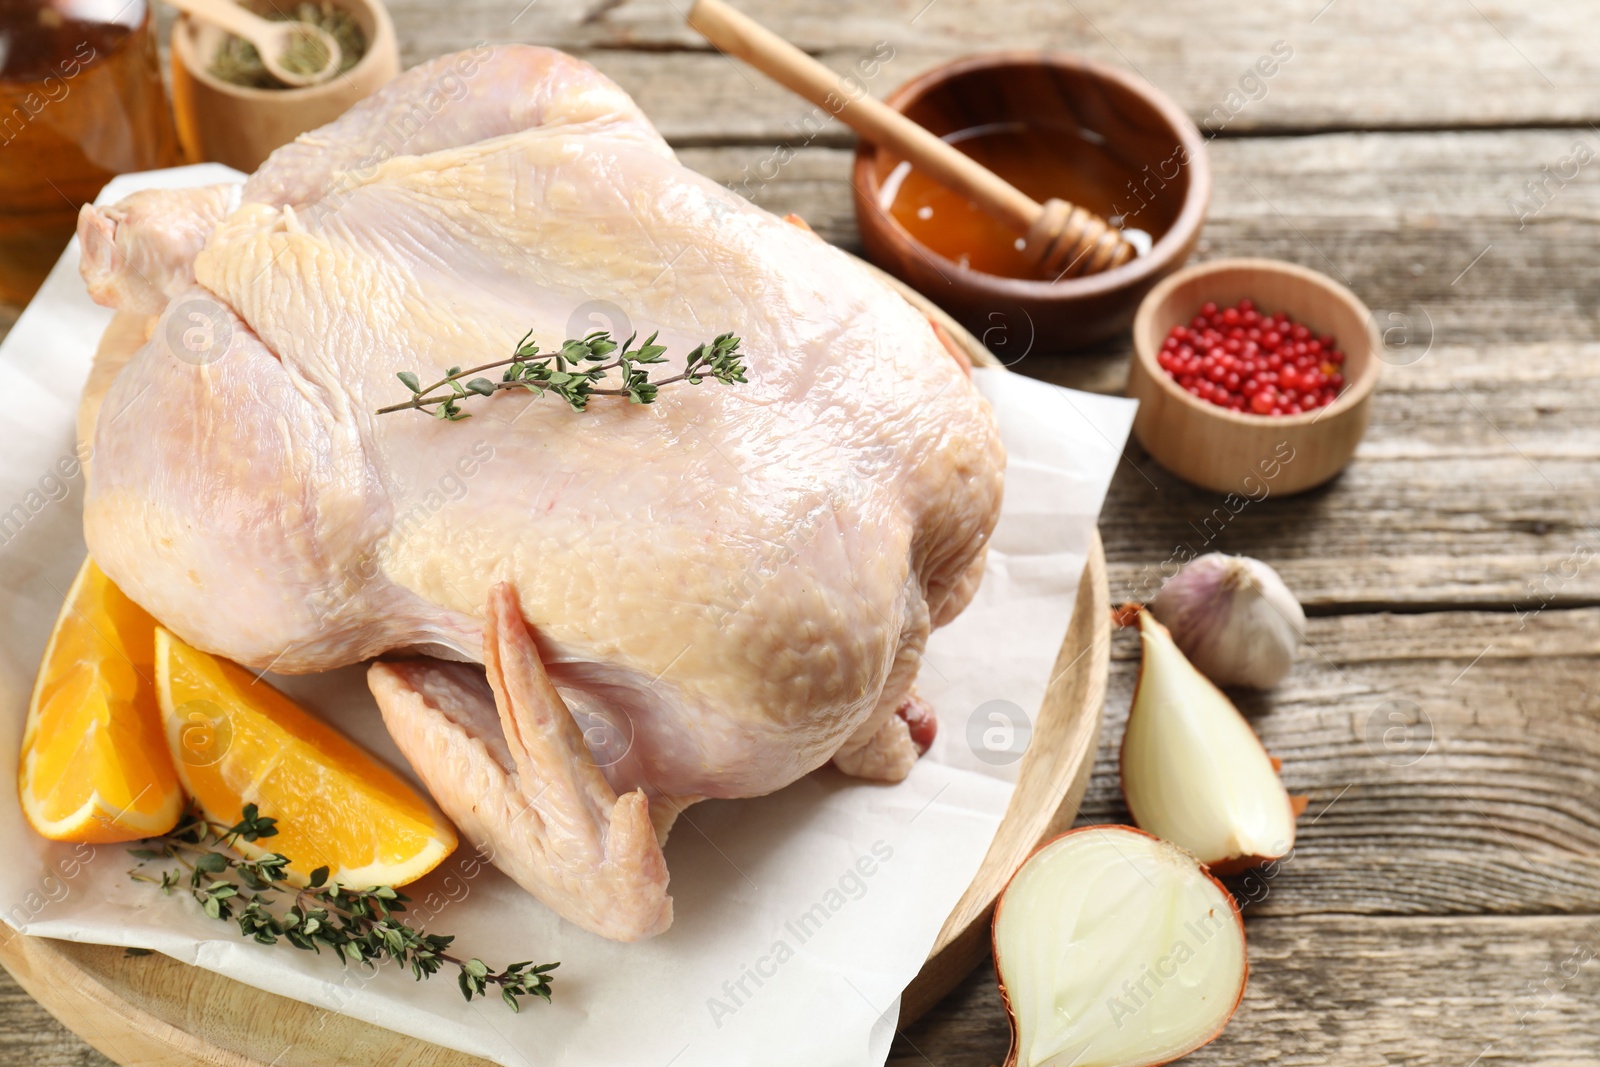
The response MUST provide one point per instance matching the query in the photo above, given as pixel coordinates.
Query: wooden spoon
(271, 39)
(1065, 239)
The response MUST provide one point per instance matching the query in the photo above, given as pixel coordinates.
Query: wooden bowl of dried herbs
(230, 110)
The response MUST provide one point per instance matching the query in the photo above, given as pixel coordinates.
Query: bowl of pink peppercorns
(1253, 376)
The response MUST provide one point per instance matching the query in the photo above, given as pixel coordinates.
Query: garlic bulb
(1233, 618)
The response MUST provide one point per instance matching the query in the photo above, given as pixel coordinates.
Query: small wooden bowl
(1054, 91)
(220, 122)
(1231, 452)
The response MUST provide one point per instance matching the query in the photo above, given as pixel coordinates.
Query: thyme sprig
(574, 373)
(360, 925)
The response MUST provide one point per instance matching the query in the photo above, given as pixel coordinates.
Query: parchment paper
(800, 916)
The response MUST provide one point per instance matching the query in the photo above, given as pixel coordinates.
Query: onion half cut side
(1116, 949)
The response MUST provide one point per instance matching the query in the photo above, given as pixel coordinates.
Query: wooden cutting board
(154, 1011)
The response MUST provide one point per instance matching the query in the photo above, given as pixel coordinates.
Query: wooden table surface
(1443, 904)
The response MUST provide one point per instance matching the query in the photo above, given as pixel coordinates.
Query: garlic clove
(1234, 618)
(1115, 949)
(1193, 771)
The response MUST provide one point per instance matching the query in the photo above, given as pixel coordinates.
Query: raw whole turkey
(582, 621)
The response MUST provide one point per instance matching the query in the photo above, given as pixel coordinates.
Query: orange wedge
(94, 764)
(236, 740)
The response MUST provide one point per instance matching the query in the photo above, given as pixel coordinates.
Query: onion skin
(1240, 864)
(1014, 1051)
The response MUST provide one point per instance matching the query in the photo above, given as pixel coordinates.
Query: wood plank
(1498, 814)
(1401, 218)
(1425, 992)
(31, 1037)
(1354, 63)
(1476, 476)
(1494, 531)
(1474, 486)
(1489, 804)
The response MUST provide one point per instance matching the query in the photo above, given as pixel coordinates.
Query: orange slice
(94, 764)
(236, 740)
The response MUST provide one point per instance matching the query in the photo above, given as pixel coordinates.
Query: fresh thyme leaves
(359, 925)
(574, 372)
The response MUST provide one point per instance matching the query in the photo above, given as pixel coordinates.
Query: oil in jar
(80, 102)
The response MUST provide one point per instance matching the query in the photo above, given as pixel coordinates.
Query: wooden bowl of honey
(1053, 125)
(1245, 454)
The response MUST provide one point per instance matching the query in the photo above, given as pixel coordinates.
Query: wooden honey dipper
(1065, 239)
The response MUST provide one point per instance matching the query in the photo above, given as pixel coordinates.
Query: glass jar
(80, 102)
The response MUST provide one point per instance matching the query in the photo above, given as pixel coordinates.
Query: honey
(80, 102)
(1072, 164)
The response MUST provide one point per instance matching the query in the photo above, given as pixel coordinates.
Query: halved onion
(1116, 949)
